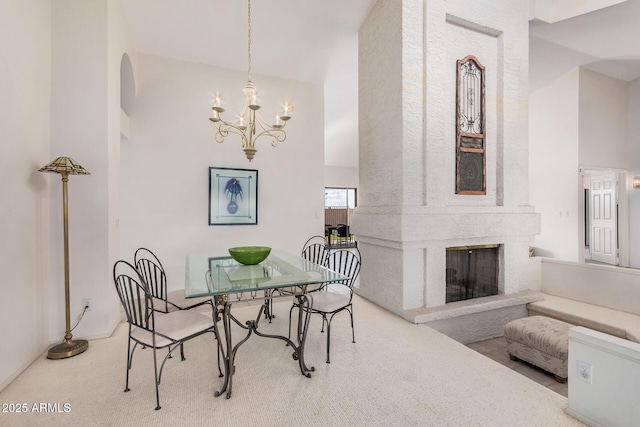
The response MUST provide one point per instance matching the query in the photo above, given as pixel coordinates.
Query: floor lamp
(66, 166)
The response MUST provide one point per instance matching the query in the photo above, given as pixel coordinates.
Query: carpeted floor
(397, 374)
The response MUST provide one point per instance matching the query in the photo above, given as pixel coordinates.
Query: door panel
(604, 245)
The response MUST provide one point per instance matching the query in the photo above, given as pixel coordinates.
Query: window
(339, 198)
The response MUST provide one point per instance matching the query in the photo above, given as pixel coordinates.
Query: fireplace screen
(472, 272)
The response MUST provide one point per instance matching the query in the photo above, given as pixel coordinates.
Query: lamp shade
(64, 165)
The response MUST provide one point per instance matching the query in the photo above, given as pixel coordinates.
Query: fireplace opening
(472, 272)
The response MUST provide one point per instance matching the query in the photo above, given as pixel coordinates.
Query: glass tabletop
(226, 276)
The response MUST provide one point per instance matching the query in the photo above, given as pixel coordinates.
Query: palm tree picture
(233, 196)
(233, 189)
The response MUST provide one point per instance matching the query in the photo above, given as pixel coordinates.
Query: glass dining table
(281, 274)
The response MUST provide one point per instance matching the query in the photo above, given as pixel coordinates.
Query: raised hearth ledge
(471, 306)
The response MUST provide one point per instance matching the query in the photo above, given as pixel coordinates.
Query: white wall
(553, 160)
(340, 177)
(611, 398)
(634, 170)
(164, 175)
(604, 138)
(602, 128)
(605, 141)
(88, 41)
(24, 119)
(579, 122)
(604, 285)
(66, 60)
(341, 105)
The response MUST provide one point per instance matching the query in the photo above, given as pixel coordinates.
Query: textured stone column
(408, 211)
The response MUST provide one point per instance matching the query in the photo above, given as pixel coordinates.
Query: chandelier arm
(277, 134)
(264, 125)
(224, 128)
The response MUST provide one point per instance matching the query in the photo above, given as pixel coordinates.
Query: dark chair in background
(344, 236)
(151, 328)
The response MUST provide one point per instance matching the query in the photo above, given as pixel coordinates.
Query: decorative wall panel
(470, 127)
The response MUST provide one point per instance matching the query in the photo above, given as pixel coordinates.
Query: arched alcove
(127, 95)
(127, 84)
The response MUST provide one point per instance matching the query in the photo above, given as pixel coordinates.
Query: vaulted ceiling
(316, 41)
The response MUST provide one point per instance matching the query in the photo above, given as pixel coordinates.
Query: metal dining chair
(335, 297)
(151, 328)
(152, 271)
(316, 249)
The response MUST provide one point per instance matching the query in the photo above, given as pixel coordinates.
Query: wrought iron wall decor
(470, 127)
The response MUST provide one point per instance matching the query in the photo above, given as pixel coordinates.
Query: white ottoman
(541, 341)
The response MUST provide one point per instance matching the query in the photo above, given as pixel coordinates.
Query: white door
(604, 244)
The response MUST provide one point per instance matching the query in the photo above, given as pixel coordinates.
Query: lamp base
(68, 348)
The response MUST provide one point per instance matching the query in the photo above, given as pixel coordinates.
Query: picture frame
(233, 196)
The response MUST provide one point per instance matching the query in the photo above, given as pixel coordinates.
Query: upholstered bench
(541, 341)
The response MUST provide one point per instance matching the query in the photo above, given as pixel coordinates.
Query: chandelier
(249, 125)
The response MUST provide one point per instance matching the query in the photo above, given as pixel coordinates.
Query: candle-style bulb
(286, 115)
(278, 123)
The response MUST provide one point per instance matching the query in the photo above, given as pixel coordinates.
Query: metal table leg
(222, 311)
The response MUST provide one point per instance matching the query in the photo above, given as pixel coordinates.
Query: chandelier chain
(249, 40)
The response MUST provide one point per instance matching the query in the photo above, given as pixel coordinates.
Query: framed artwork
(233, 196)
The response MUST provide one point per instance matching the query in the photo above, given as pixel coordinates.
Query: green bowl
(250, 255)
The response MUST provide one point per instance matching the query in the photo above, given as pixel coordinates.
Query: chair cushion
(177, 325)
(328, 302)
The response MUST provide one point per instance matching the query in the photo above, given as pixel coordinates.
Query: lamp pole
(66, 166)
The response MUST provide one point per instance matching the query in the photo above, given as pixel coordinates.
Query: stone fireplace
(409, 209)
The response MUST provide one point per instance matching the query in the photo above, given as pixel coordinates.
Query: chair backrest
(321, 240)
(342, 230)
(134, 295)
(150, 269)
(316, 250)
(347, 262)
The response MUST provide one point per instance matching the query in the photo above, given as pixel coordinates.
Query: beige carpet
(397, 374)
